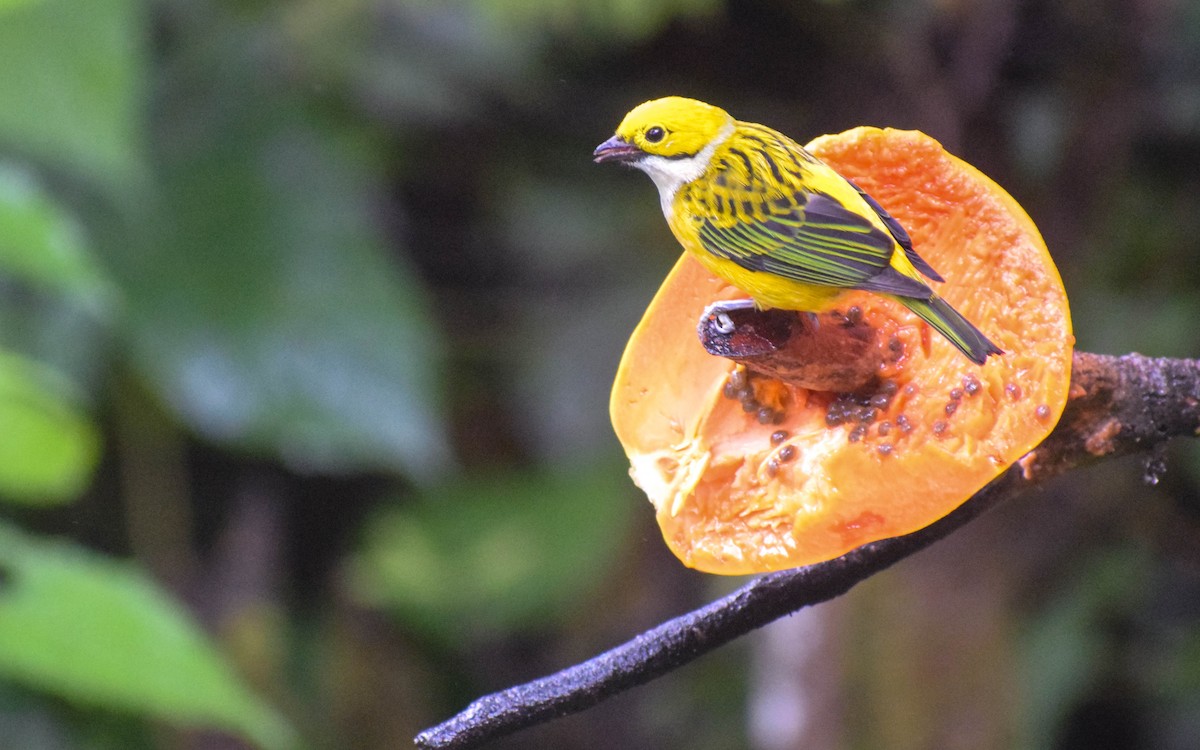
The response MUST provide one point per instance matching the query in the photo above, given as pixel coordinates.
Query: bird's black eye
(655, 134)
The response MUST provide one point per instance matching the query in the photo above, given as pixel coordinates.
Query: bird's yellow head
(671, 127)
(671, 139)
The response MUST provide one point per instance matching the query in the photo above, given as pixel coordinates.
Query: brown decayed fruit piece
(730, 500)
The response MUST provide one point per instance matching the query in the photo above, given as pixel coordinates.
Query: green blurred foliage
(260, 299)
(97, 631)
(309, 312)
(49, 447)
(42, 245)
(508, 553)
(72, 86)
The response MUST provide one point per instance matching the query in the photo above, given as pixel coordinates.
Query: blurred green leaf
(497, 553)
(47, 447)
(10, 4)
(96, 631)
(42, 244)
(71, 83)
(261, 296)
(271, 317)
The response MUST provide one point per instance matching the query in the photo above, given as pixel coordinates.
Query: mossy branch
(1117, 406)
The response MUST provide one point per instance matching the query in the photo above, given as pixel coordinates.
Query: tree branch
(1117, 406)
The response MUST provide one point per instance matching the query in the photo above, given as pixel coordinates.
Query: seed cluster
(864, 409)
(861, 408)
(739, 388)
(861, 411)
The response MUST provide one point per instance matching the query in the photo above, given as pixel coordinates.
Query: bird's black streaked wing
(815, 241)
(901, 234)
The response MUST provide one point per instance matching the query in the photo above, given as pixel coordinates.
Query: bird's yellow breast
(767, 289)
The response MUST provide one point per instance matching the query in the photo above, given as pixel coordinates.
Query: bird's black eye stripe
(655, 134)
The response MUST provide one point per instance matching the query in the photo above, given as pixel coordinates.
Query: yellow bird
(775, 221)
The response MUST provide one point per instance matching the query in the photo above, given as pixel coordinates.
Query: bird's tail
(950, 323)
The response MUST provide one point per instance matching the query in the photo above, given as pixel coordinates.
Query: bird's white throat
(670, 174)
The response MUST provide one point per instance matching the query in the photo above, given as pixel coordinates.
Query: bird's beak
(617, 149)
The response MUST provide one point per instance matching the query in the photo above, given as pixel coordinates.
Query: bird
(761, 212)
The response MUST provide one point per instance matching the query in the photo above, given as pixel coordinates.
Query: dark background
(308, 315)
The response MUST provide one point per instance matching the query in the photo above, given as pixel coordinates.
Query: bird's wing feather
(901, 234)
(816, 240)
